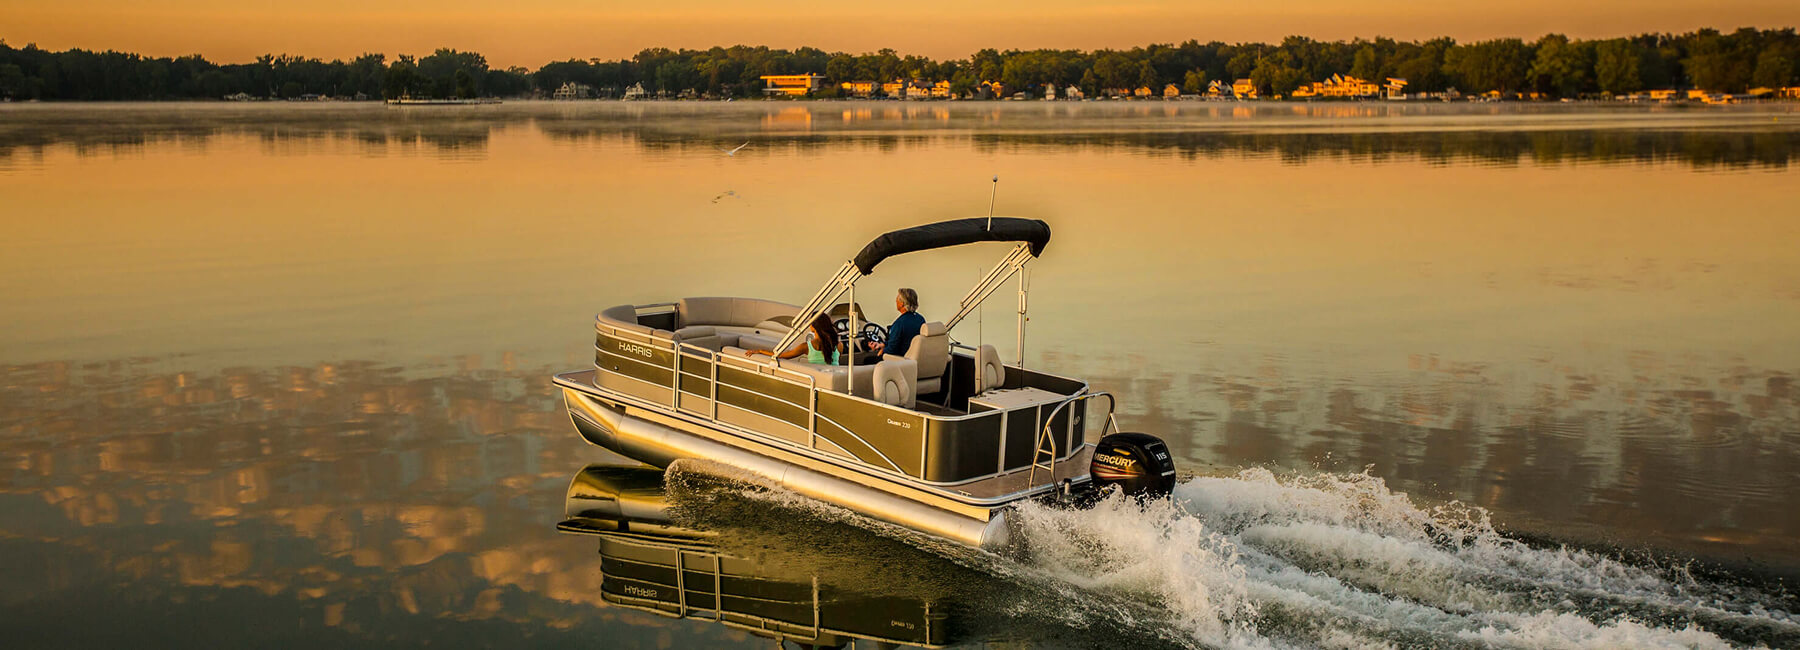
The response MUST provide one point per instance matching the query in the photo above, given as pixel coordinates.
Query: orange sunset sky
(533, 32)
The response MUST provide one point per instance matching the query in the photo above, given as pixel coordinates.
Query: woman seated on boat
(821, 344)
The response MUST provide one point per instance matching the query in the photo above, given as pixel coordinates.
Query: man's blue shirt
(901, 333)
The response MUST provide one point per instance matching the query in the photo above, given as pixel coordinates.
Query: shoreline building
(1342, 86)
(792, 85)
(1243, 89)
(859, 89)
(1396, 88)
(573, 90)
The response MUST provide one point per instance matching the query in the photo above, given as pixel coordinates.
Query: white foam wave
(1331, 560)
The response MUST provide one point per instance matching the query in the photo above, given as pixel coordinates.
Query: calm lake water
(276, 374)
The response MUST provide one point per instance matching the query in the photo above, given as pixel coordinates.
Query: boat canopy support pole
(1024, 287)
(845, 278)
(850, 346)
(1012, 264)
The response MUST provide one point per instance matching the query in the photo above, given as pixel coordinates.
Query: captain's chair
(931, 351)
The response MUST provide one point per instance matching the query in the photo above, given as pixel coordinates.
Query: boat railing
(1046, 443)
(710, 406)
(679, 350)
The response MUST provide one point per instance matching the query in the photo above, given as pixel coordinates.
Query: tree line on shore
(1553, 65)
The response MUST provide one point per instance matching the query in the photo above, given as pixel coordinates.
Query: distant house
(863, 89)
(1666, 94)
(1243, 89)
(1144, 92)
(1073, 92)
(1791, 92)
(991, 90)
(573, 90)
(922, 89)
(239, 97)
(1343, 86)
(1049, 92)
(1217, 89)
(792, 85)
(1396, 88)
(635, 91)
(1171, 91)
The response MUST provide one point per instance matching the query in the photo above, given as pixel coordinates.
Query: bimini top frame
(1032, 234)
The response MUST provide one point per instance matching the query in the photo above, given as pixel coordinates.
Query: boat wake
(1331, 560)
(1257, 560)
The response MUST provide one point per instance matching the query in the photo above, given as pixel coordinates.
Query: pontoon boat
(942, 440)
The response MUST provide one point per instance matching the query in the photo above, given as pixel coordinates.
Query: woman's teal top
(815, 355)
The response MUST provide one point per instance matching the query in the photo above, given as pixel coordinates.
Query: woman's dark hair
(828, 339)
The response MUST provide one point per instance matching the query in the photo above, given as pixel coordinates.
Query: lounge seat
(733, 312)
(930, 351)
(990, 373)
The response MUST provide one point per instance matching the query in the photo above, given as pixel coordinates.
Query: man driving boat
(907, 326)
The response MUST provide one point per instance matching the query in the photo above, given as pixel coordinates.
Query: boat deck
(991, 491)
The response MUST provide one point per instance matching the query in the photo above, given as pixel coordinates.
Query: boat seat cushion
(705, 311)
(833, 377)
(758, 341)
(622, 317)
(988, 368)
(931, 350)
(738, 312)
(893, 382)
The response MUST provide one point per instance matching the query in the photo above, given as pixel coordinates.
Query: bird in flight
(733, 152)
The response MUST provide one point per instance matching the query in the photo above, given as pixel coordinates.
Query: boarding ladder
(1045, 455)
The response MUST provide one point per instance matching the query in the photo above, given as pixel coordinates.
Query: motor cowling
(1139, 463)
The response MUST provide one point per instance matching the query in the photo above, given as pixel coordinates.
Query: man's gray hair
(911, 298)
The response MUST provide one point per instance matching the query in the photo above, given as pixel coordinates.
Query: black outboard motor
(1139, 463)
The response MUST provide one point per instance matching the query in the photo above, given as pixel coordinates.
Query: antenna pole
(991, 195)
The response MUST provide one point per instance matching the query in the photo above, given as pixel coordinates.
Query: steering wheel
(874, 333)
(871, 333)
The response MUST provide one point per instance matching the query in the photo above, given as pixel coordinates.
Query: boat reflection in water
(650, 562)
